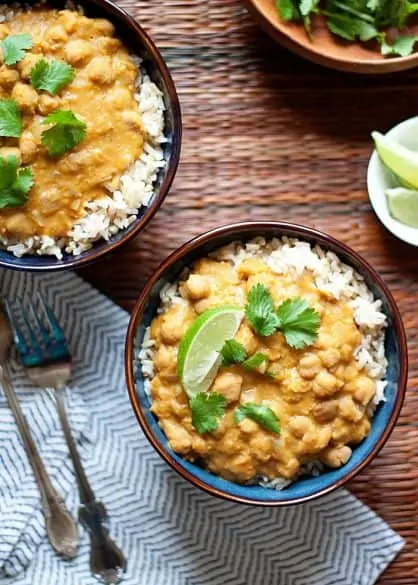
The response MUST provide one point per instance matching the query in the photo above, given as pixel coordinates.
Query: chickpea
(230, 442)
(20, 223)
(10, 151)
(107, 45)
(104, 27)
(164, 358)
(28, 146)
(25, 96)
(246, 337)
(330, 357)
(68, 19)
(200, 446)
(197, 287)
(248, 426)
(309, 366)
(325, 384)
(349, 410)
(25, 65)
(100, 70)
(242, 466)
(4, 31)
(336, 456)
(350, 372)
(229, 385)
(8, 77)
(346, 351)
(132, 119)
(364, 389)
(56, 34)
(299, 426)
(180, 440)
(78, 52)
(261, 444)
(119, 97)
(47, 104)
(318, 440)
(325, 412)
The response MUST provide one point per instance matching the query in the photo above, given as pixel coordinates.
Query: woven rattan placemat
(270, 136)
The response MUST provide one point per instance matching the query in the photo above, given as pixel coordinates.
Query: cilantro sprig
(233, 352)
(255, 361)
(65, 134)
(14, 47)
(207, 409)
(51, 76)
(362, 20)
(260, 413)
(259, 310)
(15, 183)
(10, 120)
(298, 322)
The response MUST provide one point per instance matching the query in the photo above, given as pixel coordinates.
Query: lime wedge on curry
(402, 161)
(198, 358)
(403, 205)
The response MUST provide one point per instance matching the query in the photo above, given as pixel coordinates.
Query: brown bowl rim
(279, 31)
(263, 226)
(71, 262)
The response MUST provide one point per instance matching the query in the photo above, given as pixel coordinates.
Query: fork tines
(37, 334)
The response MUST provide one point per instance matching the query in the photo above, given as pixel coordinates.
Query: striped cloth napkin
(171, 533)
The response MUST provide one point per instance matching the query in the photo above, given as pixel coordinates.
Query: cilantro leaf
(67, 132)
(261, 414)
(15, 46)
(298, 322)
(255, 361)
(233, 352)
(10, 121)
(288, 9)
(402, 46)
(14, 184)
(259, 310)
(207, 408)
(51, 76)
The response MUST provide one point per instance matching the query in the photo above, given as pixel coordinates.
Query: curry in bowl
(266, 361)
(81, 128)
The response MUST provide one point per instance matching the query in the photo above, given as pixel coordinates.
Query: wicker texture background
(269, 136)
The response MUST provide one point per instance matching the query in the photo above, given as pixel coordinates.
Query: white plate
(379, 178)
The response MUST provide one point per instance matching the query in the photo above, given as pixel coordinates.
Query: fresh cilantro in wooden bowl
(363, 36)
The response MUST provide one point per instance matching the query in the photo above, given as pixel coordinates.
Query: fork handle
(107, 561)
(60, 525)
(86, 493)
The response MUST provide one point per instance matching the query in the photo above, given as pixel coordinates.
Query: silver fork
(43, 351)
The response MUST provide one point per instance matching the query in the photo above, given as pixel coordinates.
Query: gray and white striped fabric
(172, 533)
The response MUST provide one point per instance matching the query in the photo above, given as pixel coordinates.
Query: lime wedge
(403, 205)
(198, 357)
(399, 159)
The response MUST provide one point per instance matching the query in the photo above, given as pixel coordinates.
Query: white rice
(108, 215)
(340, 281)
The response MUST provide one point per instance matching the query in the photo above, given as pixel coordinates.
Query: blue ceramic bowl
(384, 418)
(137, 40)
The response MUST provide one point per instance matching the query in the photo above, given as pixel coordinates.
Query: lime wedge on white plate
(402, 161)
(403, 205)
(198, 357)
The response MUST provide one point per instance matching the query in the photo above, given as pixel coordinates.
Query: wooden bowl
(306, 488)
(325, 48)
(139, 43)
